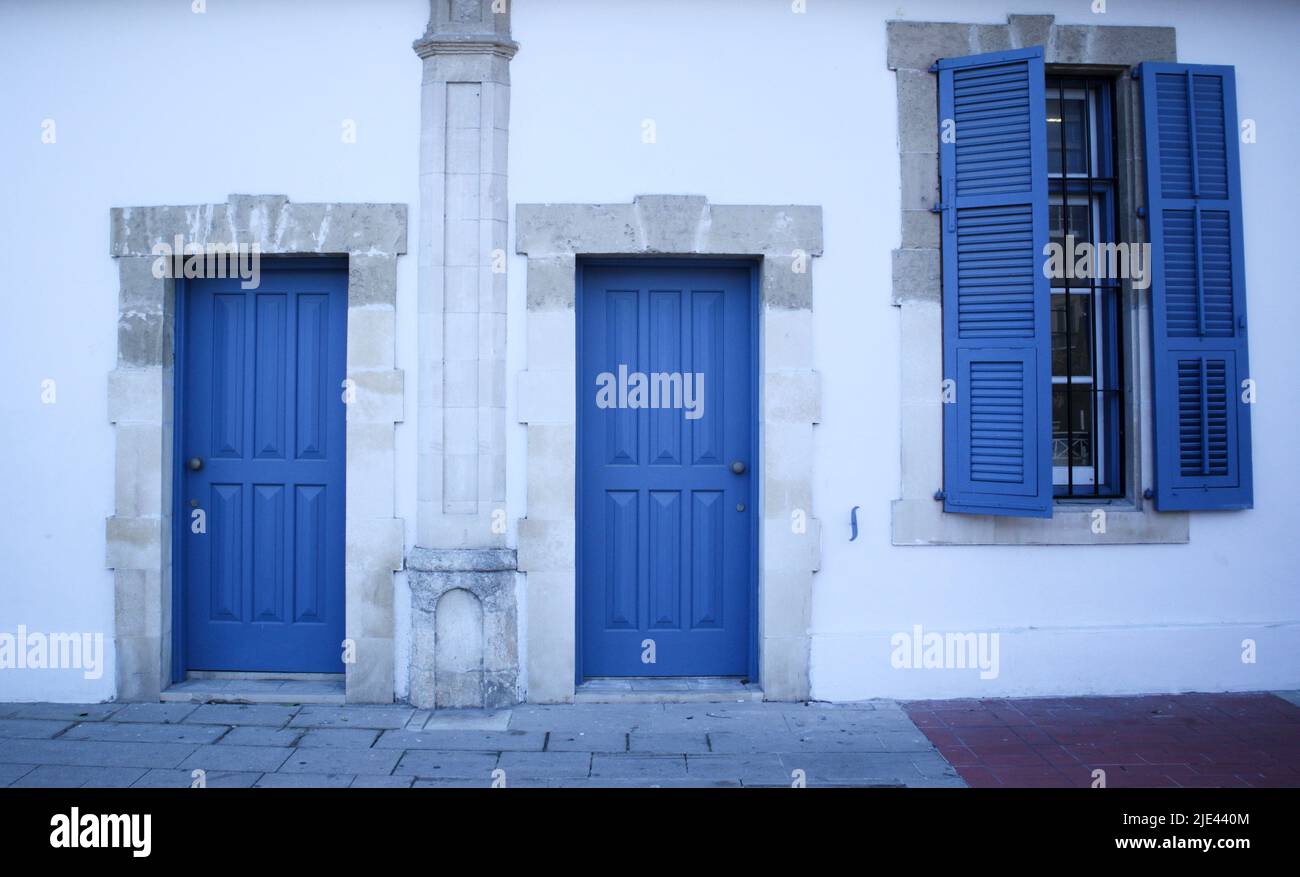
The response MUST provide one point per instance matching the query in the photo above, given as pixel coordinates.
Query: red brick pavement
(1187, 740)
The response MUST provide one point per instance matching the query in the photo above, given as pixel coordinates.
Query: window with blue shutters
(1033, 368)
(1198, 298)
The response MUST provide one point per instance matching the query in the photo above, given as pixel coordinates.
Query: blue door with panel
(666, 519)
(262, 458)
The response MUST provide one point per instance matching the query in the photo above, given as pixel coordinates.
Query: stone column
(465, 105)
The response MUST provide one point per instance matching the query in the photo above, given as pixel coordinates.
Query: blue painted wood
(1198, 293)
(666, 529)
(996, 299)
(262, 407)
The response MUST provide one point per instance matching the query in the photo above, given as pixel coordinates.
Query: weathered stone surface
(916, 276)
(460, 560)
(269, 221)
(464, 642)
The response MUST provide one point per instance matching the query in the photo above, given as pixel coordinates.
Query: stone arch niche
(464, 645)
(458, 649)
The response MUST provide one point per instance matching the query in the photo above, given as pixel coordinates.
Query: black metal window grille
(1087, 371)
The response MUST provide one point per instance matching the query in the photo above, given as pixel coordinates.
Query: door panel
(262, 409)
(666, 528)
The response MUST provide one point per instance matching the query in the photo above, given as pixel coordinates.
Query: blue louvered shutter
(1198, 291)
(996, 299)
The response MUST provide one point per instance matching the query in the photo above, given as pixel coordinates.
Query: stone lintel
(461, 560)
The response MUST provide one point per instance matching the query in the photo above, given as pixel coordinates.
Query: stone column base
(464, 628)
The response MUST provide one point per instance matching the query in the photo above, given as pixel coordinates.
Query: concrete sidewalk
(584, 745)
(1191, 740)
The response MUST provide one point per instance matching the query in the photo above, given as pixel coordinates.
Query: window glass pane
(1078, 213)
(1085, 370)
(1071, 410)
(1077, 334)
(1065, 119)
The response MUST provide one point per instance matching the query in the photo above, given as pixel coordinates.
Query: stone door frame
(141, 403)
(784, 240)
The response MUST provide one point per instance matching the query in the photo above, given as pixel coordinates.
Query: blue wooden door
(262, 458)
(666, 526)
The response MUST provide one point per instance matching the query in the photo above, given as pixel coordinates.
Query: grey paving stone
(821, 717)
(273, 715)
(841, 740)
(477, 741)
(484, 782)
(699, 718)
(184, 779)
(372, 781)
(418, 719)
(544, 765)
(258, 735)
(305, 781)
(667, 744)
(429, 764)
(32, 729)
(578, 741)
(11, 772)
(337, 760)
(380, 717)
(464, 720)
(740, 743)
(639, 745)
(837, 740)
(61, 776)
(748, 711)
(95, 753)
(142, 732)
(245, 758)
(589, 717)
(339, 738)
(858, 768)
(155, 713)
(70, 712)
(642, 783)
(631, 766)
(764, 769)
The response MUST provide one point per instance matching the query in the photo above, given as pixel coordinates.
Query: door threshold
(321, 688)
(667, 689)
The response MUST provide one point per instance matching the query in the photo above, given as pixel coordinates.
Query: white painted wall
(753, 104)
(156, 105)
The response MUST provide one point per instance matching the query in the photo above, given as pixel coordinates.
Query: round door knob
(195, 464)
(738, 467)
